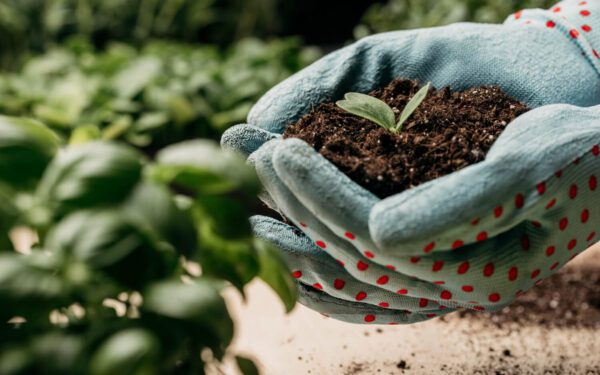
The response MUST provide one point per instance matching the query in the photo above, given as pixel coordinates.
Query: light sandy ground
(304, 342)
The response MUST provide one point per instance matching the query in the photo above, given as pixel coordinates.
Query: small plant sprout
(378, 111)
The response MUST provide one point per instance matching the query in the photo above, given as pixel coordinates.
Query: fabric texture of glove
(474, 239)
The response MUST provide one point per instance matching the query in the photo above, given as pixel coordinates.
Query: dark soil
(449, 131)
(569, 298)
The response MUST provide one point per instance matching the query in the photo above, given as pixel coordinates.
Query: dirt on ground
(447, 132)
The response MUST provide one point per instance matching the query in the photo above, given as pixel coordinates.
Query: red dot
(369, 254)
(513, 273)
(318, 286)
(339, 284)
(585, 13)
(297, 274)
(571, 245)
(553, 267)
(564, 222)
(482, 236)
(535, 273)
(479, 308)
(585, 215)
(423, 302)
(467, 288)
(429, 247)
(536, 224)
(475, 221)
(446, 295)
(591, 236)
(518, 15)
(574, 33)
(550, 250)
(384, 304)
(456, 244)
(439, 282)
(596, 150)
(550, 24)
(494, 297)
(369, 318)
(551, 204)
(350, 235)
(341, 263)
(583, 3)
(437, 265)
(498, 211)
(383, 280)
(463, 268)
(431, 315)
(303, 225)
(362, 265)
(415, 259)
(389, 266)
(556, 9)
(593, 182)
(573, 191)
(360, 296)
(541, 188)
(558, 173)
(576, 161)
(488, 270)
(586, 28)
(321, 244)
(519, 200)
(402, 291)
(525, 244)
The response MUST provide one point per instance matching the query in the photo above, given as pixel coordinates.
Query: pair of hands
(474, 239)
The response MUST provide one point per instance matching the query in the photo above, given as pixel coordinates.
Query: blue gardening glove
(473, 239)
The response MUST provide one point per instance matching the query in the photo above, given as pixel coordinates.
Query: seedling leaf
(412, 105)
(370, 108)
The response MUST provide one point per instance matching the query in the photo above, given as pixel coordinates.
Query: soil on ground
(448, 131)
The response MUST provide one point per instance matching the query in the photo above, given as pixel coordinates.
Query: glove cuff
(576, 20)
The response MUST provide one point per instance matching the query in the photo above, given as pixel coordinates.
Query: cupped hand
(474, 239)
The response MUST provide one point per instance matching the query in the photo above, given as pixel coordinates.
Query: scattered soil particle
(447, 132)
(568, 298)
(402, 365)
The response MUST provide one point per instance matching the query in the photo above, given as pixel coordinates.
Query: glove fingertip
(245, 139)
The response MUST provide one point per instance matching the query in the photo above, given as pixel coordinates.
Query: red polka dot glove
(474, 239)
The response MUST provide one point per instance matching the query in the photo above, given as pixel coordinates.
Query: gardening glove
(509, 221)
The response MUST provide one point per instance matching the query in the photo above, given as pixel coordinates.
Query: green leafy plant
(129, 255)
(378, 111)
(161, 94)
(409, 14)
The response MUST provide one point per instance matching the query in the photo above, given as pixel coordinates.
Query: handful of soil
(447, 132)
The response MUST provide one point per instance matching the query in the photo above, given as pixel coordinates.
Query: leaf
(134, 78)
(152, 208)
(28, 285)
(412, 105)
(26, 148)
(105, 240)
(232, 260)
(84, 134)
(276, 274)
(132, 351)
(246, 365)
(202, 166)
(197, 308)
(369, 108)
(57, 353)
(89, 175)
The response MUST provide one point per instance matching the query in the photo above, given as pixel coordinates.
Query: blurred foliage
(411, 14)
(162, 94)
(36, 25)
(127, 271)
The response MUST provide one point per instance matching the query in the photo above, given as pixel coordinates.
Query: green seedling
(378, 111)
